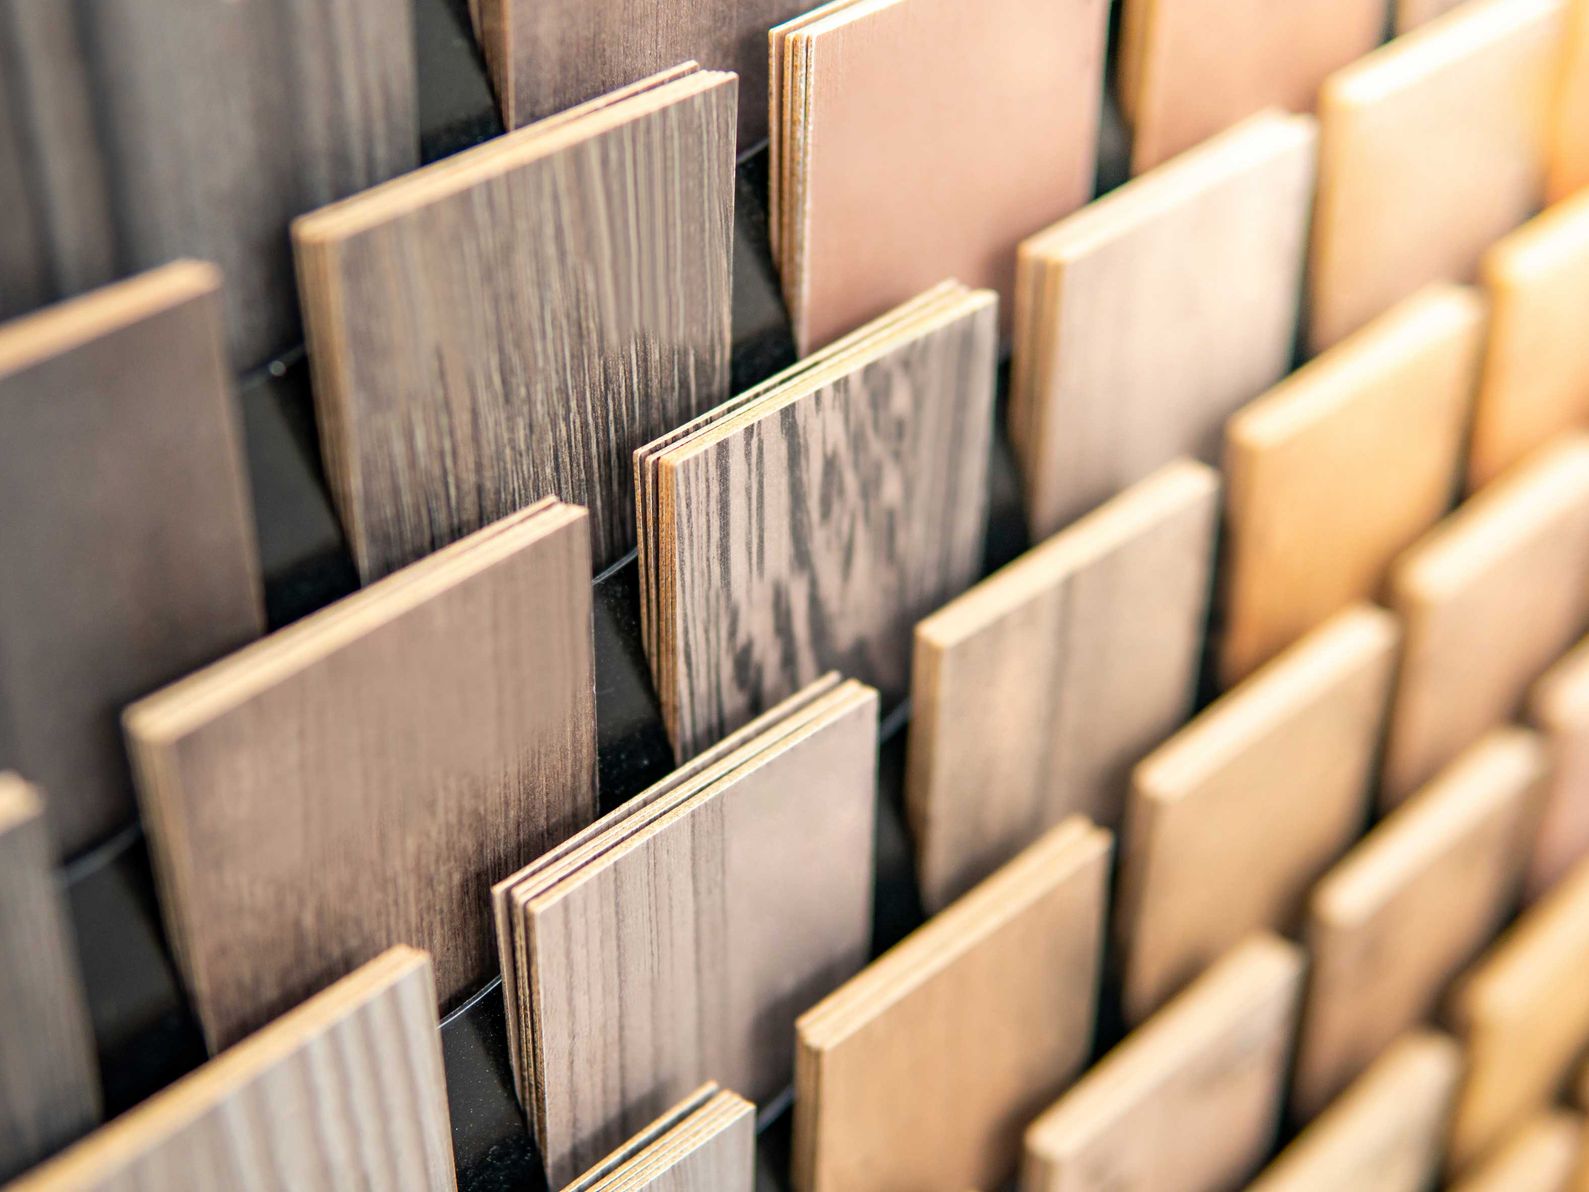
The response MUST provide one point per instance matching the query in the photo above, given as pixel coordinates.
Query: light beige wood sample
(359, 778)
(1489, 599)
(1342, 466)
(1412, 13)
(1146, 319)
(1410, 907)
(915, 140)
(1035, 693)
(1191, 1099)
(1542, 1155)
(1569, 154)
(1232, 820)
(706, 1143)
(125, 524)
(346, 1091)
(1430, 148)
(922, 1071)
(49, 1078)
(512, 322)
(1559, 707)
(1536, 364)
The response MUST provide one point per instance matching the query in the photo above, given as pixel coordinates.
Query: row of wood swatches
(675, 940)
(705, 1143)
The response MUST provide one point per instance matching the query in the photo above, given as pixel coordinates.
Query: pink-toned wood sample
(1569, 154)
(1559, 707)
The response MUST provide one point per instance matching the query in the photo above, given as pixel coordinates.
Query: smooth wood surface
(1146, 319)
(1191, 1099)
(922, 1071)
(1233, 819)
(1342, 466)
(1430, 148)
(706, 1143)
(346, 1091)
(1558, 706)
(1035, 693)
(361, 777)
(1490, 598)
(1412, 13)
(512, 322)
(1542, 1155)
(125, 524)
(1569, 153)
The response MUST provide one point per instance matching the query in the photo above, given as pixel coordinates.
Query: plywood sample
(1342, 466)
(1559, 707)
(915, 140)
(1430, 148)
(1412, 13)
(1232, 820)
(346, 1091)
(1191, 1099)
(362, 776)
(125, 525)
(960, 1033)
(1035, 693)
(1569, 152)
(1489, 599)
(511, 322)
(808, 524)
(1145, 320)
(1542, 1155)
(706, 1143)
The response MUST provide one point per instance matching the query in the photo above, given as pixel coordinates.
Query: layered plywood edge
(1558, 706)
(706, 1143)
(1544, 1154)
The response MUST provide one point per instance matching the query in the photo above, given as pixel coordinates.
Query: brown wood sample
(1542, 1155)
(1034, 693)
(1191, 1099)
(706, 1143)
(1146, 319)
(359, 778)
(512, 322)
(1233, 819)
(125, 525)
(1412, 13)
(346, 1091)
(1490, 598)
(1342, 466)
(1569, 151)
(922, 1071)
(1430, 148)
(1559, 707)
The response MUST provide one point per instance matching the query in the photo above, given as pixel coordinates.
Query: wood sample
(1412, 13)
(810, 522)
(679, 937)
(359, 778)
(1145, 320)
(1191, 1099)
(706, 1143)
(1489, 599)
(1542, 1155)
(1569, 151)
(914, 140)
(1340, 467)
(125, 525)
(1559, 707)
(1430, 148)
(1232, 820)
(49, 1078)
(346, 1091)
(512, 322)
(1410, 907)
(1034, 693)
(921, 1072)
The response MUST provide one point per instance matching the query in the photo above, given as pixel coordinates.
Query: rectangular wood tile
(1558, 706)
(1542, 1155)
(1569, 150)
(706, 1143)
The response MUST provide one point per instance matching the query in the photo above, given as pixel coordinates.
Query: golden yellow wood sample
(1569, 158)
(1541, 1155)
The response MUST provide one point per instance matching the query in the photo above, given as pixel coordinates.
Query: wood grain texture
(1490, 598)
(360, 777)
(1412, 13)
(125, 525)
(1542, 1155)
(1145, 320)
(706, 1143)
(1191, 1099)
(49, 1078)
(1569, 151)
(512, 322)
(922, 1071)
(1558, 706)
(1233, 819)
(346, 1091)
(1034, 693)
(1341, 467)
(1430, 148)
(1410, 907)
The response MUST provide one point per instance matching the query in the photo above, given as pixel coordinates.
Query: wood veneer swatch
(921, 1072)
(1191, 1099)
(1490, 598)
(360, 777)
(914, 140)
(1342, 466)
(1232, 820)
(125, 524)
(1542, 1155)
(512, 322)
(1558, 706)
(1569, 154)
(706, 1143)
(809, 523)
(49, 1078)
(1034, 693)
(346, 1091)
(1146, 319)
(1412, 13)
